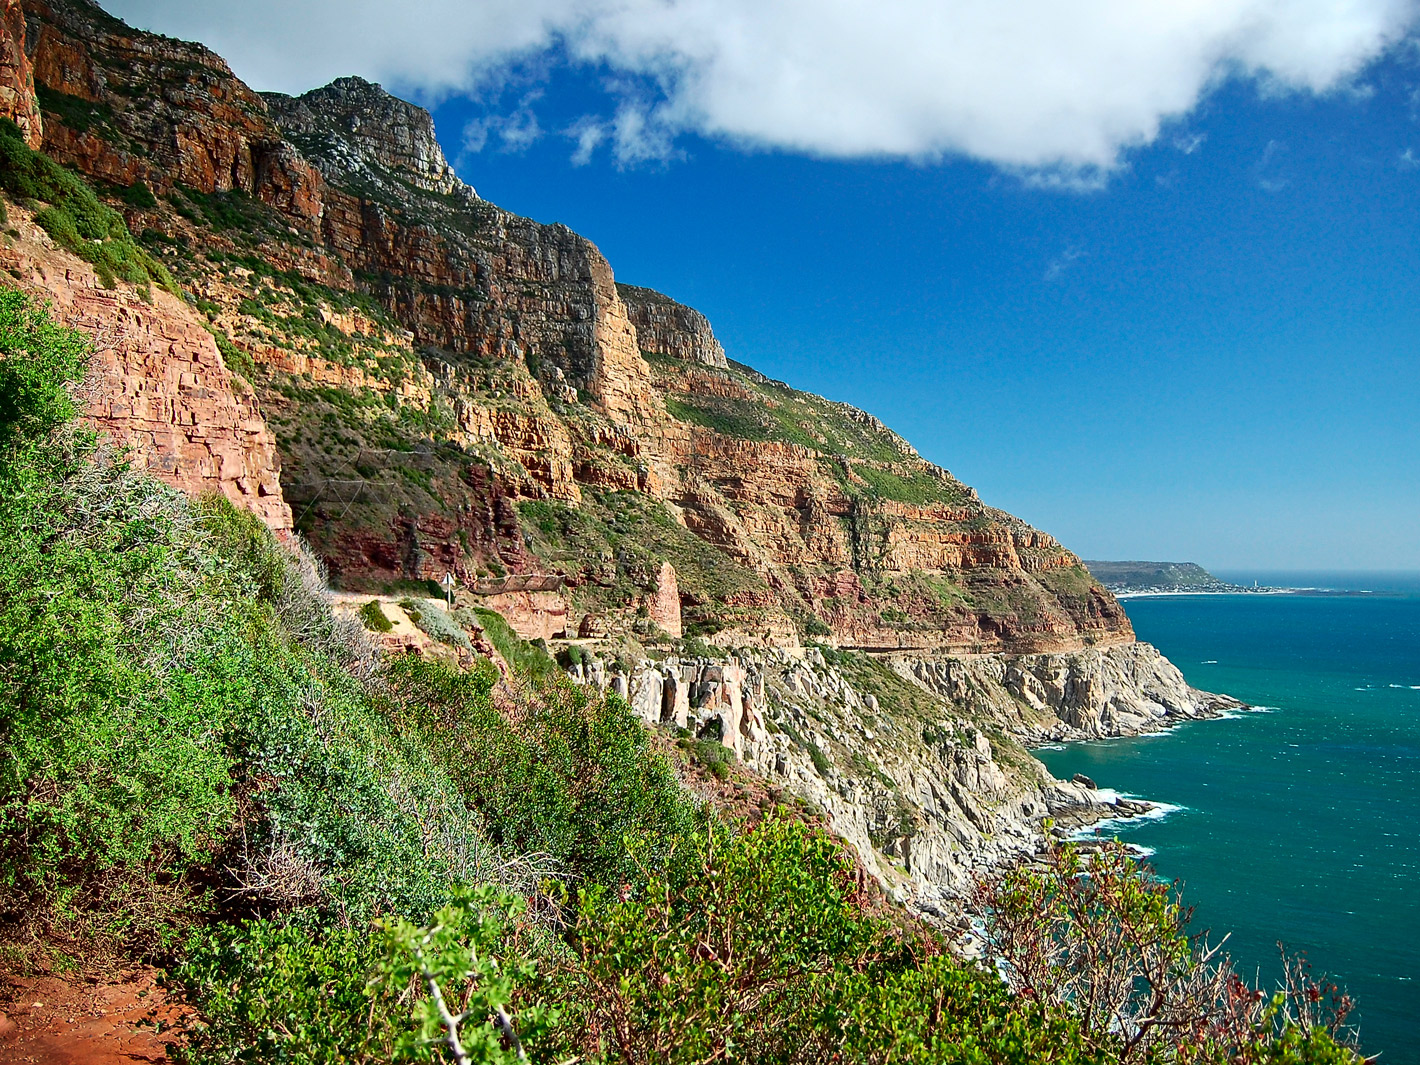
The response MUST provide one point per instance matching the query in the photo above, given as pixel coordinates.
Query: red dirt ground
(117, 1019)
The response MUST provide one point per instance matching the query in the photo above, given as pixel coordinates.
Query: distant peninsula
(1153, 578)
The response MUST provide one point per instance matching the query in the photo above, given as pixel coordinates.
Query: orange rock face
(164, 112)
(158, 385)
(17, 80)
(664, 605)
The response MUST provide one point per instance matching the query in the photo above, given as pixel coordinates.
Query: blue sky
(1212, 358)
(1185, 331)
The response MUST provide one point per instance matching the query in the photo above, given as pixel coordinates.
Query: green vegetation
(1103, 937)
(917, 486)
(373, 617)
(623, 537)
(435, 621)
(78, 114)
(234, 215)
(206, 770)
(573, 779)
(524, 658)
(1158, 576)
(710, 753)
(75, 217)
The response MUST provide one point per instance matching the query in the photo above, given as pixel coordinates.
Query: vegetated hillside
(1157, 577)
(330, 853)
(455, 388)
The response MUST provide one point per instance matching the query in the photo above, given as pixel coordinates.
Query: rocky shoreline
(922, 765)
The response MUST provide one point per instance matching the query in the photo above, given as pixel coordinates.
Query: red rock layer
(158, 385)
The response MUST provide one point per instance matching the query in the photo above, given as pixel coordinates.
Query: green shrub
(75, 217)
(178, 705)
(140, 195)
(1102, 936)
(307, 995)
(374, 618)
(524, 658)
(710, 753)
(38, 359)
(572, 775)
(757, 947)
(436, 622)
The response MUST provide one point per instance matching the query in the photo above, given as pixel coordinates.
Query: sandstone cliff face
(18, 101)
(158, 385)
(665, 327)
(510, 371)
(138, 107)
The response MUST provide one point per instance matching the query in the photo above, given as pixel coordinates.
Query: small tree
(1102, 936)
(467, 975)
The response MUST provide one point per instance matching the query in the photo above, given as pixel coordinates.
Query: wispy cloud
(1268, 170)
(1057, 266)
(1188, 143)
(1057, 92)
(587, 134)
(1408, 160)
(514, 132)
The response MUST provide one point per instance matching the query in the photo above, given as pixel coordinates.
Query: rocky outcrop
(1117, 691)
(665, 327)
(18, 102)
(158, 385)
(369, 139)
(911, 780)
(142, 108)
(663, 606)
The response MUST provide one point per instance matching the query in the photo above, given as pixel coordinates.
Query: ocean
(1299, 822)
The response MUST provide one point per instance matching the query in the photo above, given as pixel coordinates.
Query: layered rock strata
(158, 385)
(921, 782)
(1122, 691)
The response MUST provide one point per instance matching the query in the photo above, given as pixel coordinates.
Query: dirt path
(119, 1019)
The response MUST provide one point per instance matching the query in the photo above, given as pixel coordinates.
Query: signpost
(448, 583)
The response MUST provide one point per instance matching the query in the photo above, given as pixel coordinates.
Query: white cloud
(1408, 160)
(1188, 143)
(516, 131)
(1062, 262)
(1040, 87)
(1269, 169)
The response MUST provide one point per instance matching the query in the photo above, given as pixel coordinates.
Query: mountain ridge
(327, 240)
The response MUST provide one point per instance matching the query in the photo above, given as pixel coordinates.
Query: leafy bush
(178, 706)
(37, 360)
(436, 622)
(757, 947)
(1103, 937)
(77, 220)
(374, 618)
(524, 658)
(290, 992)
(572, 775)
(710, 753)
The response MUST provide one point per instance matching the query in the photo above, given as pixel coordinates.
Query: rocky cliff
(921, 764)
(158, 385)
(422, 383)
(511, 394)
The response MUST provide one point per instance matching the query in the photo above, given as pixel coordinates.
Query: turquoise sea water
(1301, 822)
